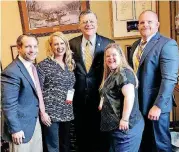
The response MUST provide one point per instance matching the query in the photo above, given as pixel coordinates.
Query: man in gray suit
(156, 67)
(20, 100)
(88, 79)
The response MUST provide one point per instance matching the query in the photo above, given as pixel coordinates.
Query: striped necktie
(88, 56)
(138, 55)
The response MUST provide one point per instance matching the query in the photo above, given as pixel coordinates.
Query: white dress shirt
(136, 50)
(92, 46)
(28, 66)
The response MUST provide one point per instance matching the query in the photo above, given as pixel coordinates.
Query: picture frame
(44, 17)
(1, 66)
(14, 53)
(125, 15)
(174, 19)
(127, 51)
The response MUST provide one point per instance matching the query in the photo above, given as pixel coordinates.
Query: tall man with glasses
(88, 54)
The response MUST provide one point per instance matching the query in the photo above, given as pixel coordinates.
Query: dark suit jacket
(19, 101)
(157, 73)
(87, 84)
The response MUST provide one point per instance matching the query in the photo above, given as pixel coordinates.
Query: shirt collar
(93, 41)
(148, 39)
(26, 63)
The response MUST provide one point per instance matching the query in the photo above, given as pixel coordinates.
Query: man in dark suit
(156, 67)
(20, 99)
(88, 74)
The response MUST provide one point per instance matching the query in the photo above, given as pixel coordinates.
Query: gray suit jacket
(19, 101)
(157, 73)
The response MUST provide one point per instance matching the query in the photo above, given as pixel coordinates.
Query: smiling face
(112, 58)
(88, 25)
(29, 48)
(148, 24)
(58, 46)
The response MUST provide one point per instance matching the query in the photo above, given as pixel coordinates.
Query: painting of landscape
(52, 13)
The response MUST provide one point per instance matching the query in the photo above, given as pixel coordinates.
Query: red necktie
(38, 88)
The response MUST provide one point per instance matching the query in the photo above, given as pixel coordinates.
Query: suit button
(37, 105)
(35, 117)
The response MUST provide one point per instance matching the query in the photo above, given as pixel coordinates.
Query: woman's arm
(101, 103)
(129, 95)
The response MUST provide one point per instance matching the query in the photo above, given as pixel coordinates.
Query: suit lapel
(97, 48)
(132, 52)
(148, 47)
(25, 73)
(79, 53)
(98, 45)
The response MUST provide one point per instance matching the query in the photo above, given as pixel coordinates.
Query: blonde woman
(120, 113)
(57, 80)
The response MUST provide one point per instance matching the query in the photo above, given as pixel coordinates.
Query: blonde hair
(68, 54)
(123, 63)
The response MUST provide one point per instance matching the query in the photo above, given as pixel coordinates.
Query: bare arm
(101, 103)
(129, 95)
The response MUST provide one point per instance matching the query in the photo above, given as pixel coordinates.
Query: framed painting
(14, 52)
(174, 19)
(43, 17)
(125, 15)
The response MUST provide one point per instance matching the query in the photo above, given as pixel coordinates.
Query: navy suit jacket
(87, 84)
(19, 101)
(157, 73)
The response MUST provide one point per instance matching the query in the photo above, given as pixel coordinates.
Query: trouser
(57, 137)
(127, 141)
(34, 145)
(87, 126)
(156, 136)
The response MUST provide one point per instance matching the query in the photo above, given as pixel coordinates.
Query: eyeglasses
(87, 22)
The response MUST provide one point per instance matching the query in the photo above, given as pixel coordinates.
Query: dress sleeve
(126, 77)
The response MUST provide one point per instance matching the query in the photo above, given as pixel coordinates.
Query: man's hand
(17, 137)
(154, 113)
(45, 119)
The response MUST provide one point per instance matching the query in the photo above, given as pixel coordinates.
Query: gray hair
(88, 11)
